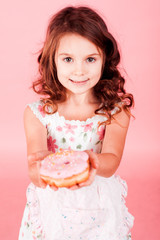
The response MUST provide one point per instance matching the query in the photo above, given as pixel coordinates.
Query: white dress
(95, 212)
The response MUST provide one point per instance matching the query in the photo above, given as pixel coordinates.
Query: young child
(84, 107)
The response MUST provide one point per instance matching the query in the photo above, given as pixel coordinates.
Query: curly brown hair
(87, 23)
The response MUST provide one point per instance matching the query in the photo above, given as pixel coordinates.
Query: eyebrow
(68, 54)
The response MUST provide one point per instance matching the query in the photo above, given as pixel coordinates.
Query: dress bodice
(71, 134)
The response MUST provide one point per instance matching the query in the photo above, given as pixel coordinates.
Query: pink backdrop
(135, 25)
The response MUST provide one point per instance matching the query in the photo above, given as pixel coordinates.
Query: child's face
(79, 63)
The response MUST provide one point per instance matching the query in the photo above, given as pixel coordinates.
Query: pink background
(135, 25)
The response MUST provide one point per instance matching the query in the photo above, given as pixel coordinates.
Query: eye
(91, 59)
(68, 59)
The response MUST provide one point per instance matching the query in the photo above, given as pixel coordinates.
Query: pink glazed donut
(65, 168)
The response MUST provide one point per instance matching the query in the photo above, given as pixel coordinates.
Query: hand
(94, 164)
(34, 163)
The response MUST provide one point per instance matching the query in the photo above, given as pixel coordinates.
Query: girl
(84, 107)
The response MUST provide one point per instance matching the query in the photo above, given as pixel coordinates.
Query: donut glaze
(64, 164)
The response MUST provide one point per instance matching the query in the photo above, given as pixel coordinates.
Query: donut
(65, 168)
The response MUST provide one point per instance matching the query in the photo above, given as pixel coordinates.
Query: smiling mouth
(79, 82)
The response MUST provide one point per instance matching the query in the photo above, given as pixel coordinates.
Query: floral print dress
(95, 212)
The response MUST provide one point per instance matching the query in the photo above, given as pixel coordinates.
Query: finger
(42, 154)
(38, 155)
(42, 183)
(54, 187)
(90, 179)
(74, 187)
(93, 159)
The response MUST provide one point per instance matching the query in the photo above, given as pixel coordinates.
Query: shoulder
(115, 134)
(34, 115)
(122, 118)
(35, 131)
(30, 119)
(33, 106)
(36, 106)
(120, 115)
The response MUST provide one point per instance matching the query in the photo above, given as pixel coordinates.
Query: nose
(79, 69)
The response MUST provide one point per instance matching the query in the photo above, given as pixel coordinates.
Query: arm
(113, 145)
(106, 163)
(36, 133)
(36, 138)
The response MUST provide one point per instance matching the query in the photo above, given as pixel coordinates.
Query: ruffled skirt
(95, 212)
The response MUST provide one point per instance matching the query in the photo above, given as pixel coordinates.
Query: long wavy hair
(110, 88)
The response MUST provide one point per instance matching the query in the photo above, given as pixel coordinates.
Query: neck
(80, 99)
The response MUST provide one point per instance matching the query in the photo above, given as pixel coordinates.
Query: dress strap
(37, 108)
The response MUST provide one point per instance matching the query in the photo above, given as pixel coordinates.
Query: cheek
(96, 71)
(62, 70)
